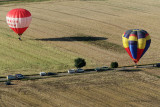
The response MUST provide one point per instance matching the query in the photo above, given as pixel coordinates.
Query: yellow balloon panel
(141, 43)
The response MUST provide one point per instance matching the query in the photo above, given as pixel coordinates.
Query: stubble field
(106, 89)
(64, 30)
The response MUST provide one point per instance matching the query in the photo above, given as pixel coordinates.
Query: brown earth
(106, 89)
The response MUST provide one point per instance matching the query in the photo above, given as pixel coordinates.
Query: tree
(114, 64)
(80, 62)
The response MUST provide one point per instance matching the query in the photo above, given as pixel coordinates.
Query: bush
(158, 65)
(80, 62)
(114, 65)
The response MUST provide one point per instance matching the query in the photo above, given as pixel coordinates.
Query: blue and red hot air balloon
(19, 20)
(136, 42)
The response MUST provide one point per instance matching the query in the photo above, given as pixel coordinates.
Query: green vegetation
(114, 65)
(30, 57)
(80, 62)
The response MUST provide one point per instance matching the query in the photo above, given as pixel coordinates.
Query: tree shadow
(76, 37)
(130, 70)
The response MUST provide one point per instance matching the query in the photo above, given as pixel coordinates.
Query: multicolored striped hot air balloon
(19, 20)
(136, 42)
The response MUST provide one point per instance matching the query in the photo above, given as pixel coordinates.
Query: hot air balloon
(136, 42)
(19, 20)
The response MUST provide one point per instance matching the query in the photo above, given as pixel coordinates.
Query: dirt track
(126, 69)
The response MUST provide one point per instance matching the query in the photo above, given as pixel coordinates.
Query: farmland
(63, 30)
(105, 89)
(51, 42)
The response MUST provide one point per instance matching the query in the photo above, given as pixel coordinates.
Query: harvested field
(105, 89)
(64, 30)
(48, 43)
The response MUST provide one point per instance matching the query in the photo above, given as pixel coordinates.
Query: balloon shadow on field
(74, 38)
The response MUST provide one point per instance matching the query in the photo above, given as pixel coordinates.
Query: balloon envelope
(136, 42)
(19, 20)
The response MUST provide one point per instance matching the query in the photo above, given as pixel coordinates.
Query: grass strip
(2, 2)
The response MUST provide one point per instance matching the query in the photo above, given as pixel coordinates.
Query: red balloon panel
(18, 20)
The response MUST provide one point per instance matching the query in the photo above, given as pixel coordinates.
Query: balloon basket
(20, 37)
